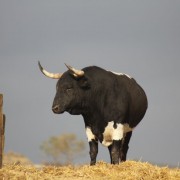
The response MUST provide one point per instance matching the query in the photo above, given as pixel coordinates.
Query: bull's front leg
(114, 151)
(93, 145)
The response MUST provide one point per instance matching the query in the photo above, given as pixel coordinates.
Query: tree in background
(63, 148)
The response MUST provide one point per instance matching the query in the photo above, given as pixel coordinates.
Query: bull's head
(70, 90)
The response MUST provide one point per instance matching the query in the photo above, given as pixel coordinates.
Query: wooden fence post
(2, 129)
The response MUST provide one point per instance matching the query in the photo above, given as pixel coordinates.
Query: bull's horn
(76, 73)
(48, 74)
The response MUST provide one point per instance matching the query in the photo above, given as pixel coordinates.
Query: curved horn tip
(76, 73)
(68, 66)
(40, 67)
(48, 74)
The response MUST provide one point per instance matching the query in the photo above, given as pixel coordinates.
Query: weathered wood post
(2, 129)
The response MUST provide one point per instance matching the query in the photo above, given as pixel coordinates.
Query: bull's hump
(114, 132)
(122, 74)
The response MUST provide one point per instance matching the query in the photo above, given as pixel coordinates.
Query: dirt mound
(15, 158)
(128, 170)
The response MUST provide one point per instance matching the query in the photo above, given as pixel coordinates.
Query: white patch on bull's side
(89, 134)
(111, 133)
(122, 74)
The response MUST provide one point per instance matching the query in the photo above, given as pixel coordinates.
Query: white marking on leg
(89, 134)
(111, 133)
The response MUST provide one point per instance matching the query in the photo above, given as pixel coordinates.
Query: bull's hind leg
(125, 146)
(114, 151)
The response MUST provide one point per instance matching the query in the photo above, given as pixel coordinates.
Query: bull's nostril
(55, 109)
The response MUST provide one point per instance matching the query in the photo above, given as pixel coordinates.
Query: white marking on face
(111, 133)
(89, 134)
(122, 74)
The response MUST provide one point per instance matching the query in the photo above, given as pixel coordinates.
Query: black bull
(111, 104)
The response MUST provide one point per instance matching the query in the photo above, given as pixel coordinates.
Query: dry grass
(129, 170)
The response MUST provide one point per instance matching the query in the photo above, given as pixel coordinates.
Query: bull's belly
(114, 133)
(110, 133)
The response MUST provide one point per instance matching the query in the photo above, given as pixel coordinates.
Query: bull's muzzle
(56, 109)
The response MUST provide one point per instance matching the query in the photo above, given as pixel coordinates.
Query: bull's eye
(68, 90)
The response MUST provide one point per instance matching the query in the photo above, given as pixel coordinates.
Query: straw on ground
(128, 170)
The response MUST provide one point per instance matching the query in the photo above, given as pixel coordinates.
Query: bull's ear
(84, 83)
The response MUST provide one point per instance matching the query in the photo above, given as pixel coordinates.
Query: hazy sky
(140, 38)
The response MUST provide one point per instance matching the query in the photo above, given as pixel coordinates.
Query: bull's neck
(93, 115)
(92, 118)
(96, 104)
